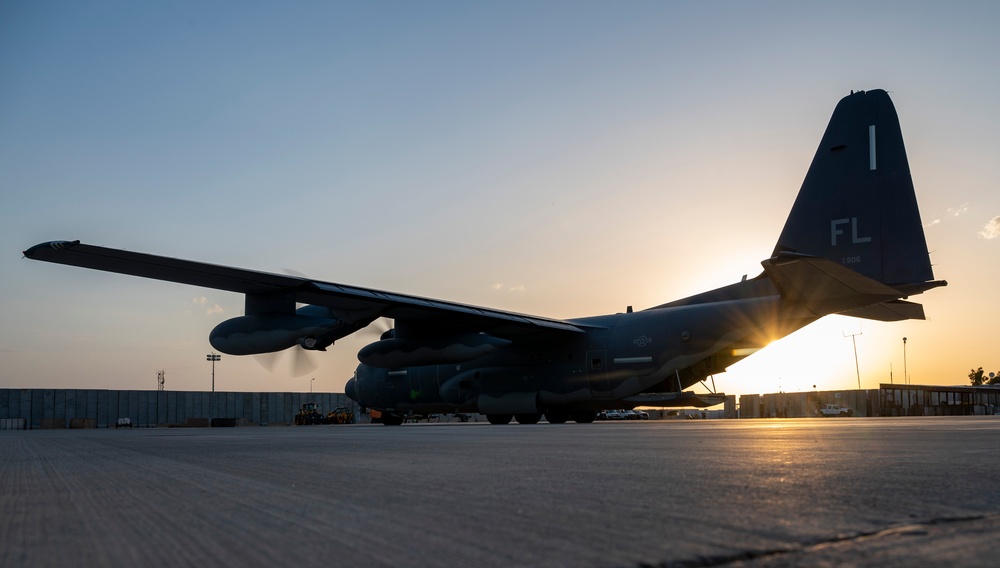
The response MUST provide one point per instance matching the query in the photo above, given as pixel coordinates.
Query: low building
(930, 400)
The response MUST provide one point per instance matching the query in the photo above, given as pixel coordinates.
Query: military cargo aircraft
(853, 244)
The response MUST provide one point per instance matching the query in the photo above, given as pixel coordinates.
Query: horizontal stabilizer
(896, 310)
(823, 286)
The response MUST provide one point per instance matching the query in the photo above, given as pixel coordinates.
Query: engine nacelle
(265, 333)
(397, 353)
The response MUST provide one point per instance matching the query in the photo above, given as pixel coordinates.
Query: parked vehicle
(835, 410)
(309, 414)
(340, 415)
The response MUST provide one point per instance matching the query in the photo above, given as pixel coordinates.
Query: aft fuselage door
(597, 373)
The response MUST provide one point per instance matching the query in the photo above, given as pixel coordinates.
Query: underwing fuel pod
(853, 244)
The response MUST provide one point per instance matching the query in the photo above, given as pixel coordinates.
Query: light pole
(857, 368)
(213, 358)
(311, 384)
(906, 376)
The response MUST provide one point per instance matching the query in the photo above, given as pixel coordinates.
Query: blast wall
(91, 408)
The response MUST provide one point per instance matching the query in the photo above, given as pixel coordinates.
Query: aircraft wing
(350, 303)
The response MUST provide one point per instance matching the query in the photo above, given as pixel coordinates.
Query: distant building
(930, 400)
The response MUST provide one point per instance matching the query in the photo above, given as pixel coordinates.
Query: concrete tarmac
(807, 492)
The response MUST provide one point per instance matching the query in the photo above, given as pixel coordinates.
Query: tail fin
(857, 206)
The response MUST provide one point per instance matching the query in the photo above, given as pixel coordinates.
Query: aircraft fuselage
(665, 349)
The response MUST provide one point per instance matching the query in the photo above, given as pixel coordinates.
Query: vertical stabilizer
(857, 206)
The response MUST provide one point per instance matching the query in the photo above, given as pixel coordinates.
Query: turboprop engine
(394, 353)
(265, 333)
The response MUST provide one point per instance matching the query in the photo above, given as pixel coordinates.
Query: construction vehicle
(340, 415)
(309, 414)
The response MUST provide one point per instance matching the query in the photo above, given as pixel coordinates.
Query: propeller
(297, 361)
(380, 327)
(294, 361)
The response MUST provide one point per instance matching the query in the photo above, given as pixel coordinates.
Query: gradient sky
(556, 158)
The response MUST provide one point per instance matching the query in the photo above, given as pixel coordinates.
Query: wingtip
(56, 245)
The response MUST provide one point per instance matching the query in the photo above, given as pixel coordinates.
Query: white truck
(835, 410)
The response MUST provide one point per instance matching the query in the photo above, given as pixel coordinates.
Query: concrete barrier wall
(12, 424)
(65, 408)
(807, 404)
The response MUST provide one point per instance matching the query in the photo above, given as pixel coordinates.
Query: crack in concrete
(913, 529)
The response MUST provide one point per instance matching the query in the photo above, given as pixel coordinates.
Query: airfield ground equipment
(340, 415)
(309, 414)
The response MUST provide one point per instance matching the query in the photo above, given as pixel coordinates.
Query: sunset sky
(561, 159)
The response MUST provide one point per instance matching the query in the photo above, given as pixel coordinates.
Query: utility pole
(857, 368)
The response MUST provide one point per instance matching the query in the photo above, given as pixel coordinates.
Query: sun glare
(808, 359)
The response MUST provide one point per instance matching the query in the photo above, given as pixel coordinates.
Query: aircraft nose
(350, 390)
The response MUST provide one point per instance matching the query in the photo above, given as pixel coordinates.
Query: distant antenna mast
(161, 377)
(857, 368)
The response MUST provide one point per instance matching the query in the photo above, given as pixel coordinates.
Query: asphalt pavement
(803, 492)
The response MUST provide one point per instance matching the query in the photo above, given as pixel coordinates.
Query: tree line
(979, 378)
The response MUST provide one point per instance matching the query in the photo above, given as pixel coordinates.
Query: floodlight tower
(906, 376)
(213, 357)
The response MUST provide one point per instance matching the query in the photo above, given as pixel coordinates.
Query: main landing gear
(390, 419)
(553, 417)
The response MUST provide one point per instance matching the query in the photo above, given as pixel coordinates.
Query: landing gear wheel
(499, 418)
(391, 419)
(583, 416)
(528, 418)
(556, 416)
